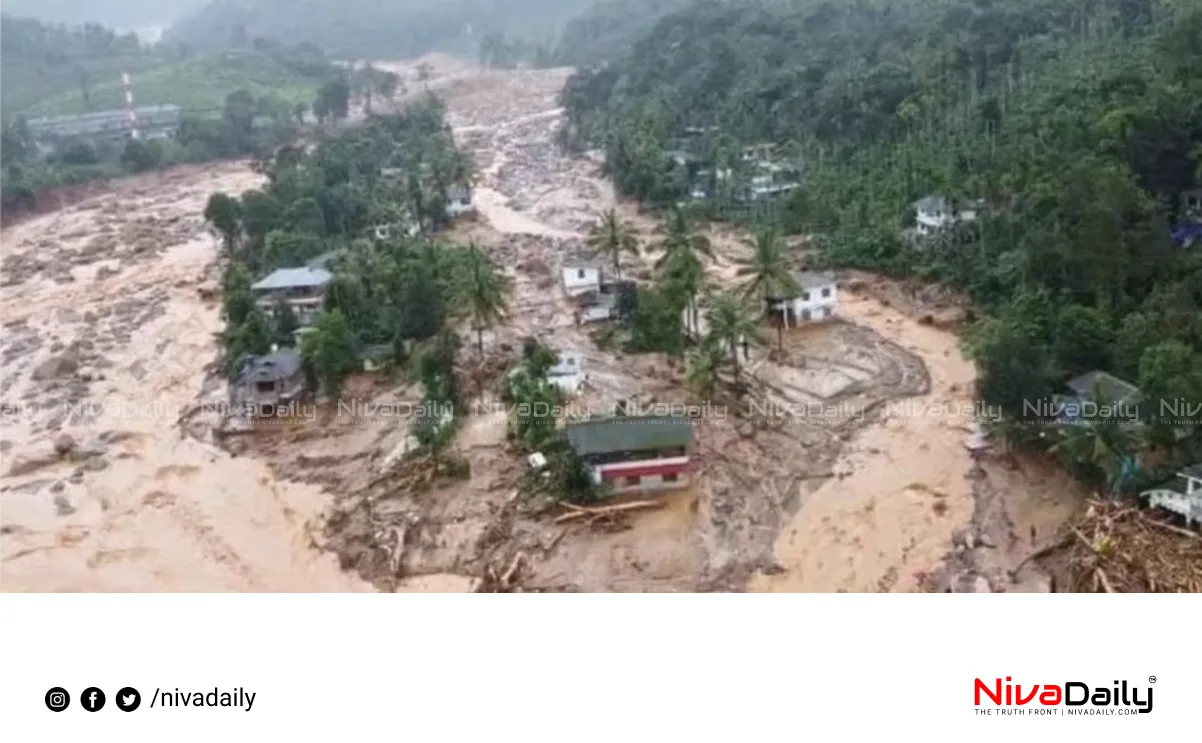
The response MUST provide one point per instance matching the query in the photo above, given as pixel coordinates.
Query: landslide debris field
(113, 301)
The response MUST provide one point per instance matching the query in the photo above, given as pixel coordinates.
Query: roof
(1193, 471)
(293, 278)
(377, 352)
(613, 435)
(324, 259)
(278, 365)
(931, 204)
(97, 116)
(809, 280)
(1108, 386)
(566, 365)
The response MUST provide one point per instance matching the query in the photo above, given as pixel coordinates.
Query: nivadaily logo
(1072, 698)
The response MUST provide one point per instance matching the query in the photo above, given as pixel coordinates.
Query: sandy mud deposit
(845, 469)
(857, 478)
(107, 338)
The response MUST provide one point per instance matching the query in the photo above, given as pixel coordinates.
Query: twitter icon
(128, 699)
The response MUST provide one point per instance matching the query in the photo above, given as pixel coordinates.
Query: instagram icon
(57, 699)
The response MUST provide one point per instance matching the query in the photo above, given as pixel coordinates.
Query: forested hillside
(1079, 125)
(606, 30)
(366, 28)
(38, 61)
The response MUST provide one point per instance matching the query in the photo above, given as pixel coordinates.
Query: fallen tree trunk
(582, 512)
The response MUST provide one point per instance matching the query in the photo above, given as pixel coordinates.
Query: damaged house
(636, 454)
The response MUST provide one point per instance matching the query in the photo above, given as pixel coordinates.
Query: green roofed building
(635, 454)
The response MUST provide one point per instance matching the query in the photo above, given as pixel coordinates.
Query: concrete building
(153, 122)
(301, 288)
(817, 299)
(459, 200)
(638, 454)
(568, 374)
(933, 213)
(266, 381)
(581, 278)
(1182, 495)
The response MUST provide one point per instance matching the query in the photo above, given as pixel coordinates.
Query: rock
(63, 365)
(949, 318)
(984, 540)
(57, 487)
(981, 585)
(63, 444)
(746, 430)
(92, 448)
(32, 461)
(62, 506)
(970, 540)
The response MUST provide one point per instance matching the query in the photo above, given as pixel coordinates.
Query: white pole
(130, 117)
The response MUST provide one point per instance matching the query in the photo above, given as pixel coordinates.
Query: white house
(459, 200)
(301, 288)
(568, 373)
(1182, 498)
(581, 278)
(599, 308)
(1191, 203)
(933, 213)
(817, 299)
(409, 228)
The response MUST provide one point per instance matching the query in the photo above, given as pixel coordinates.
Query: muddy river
(109, 331)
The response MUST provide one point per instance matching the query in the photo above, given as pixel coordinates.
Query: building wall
(581, 280)
(305, 304)
(647, 475)
(816, 307)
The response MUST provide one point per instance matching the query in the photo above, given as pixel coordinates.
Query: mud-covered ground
(843, 487)
(859, 480)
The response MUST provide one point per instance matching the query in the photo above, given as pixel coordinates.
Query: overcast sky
(116, 13)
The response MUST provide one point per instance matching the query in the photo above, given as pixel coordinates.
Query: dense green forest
(606, 30)
(393, 171)
(346, 204)
(355, 29)
(52, 70)
(1079, 126)
(38, 61)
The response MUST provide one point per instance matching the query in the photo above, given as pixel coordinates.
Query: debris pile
(1121, 548)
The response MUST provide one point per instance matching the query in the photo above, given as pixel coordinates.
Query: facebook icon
(92, 699)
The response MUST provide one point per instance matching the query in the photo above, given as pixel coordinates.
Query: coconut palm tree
(1109, 446)
(683, 277)
(613, 236)
(680, 238)
(702, 369)
(486, 293)
(731, 325)
(768, 274)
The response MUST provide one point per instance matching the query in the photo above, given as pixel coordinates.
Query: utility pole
(131, 118)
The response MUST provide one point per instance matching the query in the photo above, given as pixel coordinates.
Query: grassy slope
(201, 83)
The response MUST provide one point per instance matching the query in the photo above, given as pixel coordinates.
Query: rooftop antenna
(131, 118)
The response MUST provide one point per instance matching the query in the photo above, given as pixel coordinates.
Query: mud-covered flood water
(110, 314)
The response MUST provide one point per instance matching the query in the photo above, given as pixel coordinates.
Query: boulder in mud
(57, 367)
(32, 460)
(63, 444)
